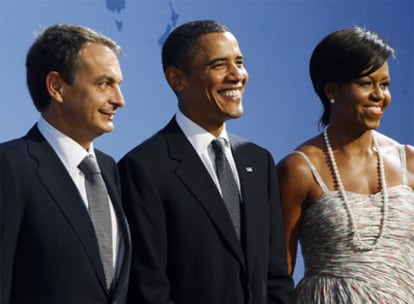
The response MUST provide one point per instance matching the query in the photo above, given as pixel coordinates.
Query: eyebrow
(385, 78)
(105, 77)
(220, 59)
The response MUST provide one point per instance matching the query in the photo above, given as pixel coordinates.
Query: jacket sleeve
(144, 209)
(11, 214)
(280, 283)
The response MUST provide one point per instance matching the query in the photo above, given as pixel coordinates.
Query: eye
(385, 85)
(218, 65)
(104, 85)
(363, 83)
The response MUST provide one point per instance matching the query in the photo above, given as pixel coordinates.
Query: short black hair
(181, 45)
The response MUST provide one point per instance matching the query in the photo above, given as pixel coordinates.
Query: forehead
(98, 58)
(96, 53)
(219, 44)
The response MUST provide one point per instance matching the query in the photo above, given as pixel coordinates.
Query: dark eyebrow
(105, 78)
(220, 59)
(215, 60)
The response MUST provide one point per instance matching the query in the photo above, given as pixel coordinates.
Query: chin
(372, 125)
(234, 115)
(376, 123)
(108, 127)
(237, 113)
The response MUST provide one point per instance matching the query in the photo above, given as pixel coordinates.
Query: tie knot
(219, 145)
(89, 166)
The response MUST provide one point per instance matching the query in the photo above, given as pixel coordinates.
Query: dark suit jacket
(49, 252)
(185, 249)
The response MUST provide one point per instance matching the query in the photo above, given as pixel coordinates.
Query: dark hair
(181, 45)
(57, 48)
(343, 56)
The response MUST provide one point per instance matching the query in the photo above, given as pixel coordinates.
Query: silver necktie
(228, 184)
(99, 211)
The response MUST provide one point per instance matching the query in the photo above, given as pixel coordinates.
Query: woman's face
(362, 102)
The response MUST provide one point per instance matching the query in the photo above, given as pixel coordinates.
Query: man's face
(90, 102)
(213, 88)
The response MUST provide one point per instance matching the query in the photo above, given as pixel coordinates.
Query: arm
(144, 210)
(280, 289)
(11, 213)
(409, 151)
(294, 177)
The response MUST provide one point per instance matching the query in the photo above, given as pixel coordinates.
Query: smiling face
(85, 109)
(212, 90)
(361, 103)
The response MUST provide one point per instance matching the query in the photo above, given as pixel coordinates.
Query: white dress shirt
(201, 139)
(71, 155)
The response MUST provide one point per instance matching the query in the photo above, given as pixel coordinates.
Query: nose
(237, 72)
(378, 93)
(117, 97)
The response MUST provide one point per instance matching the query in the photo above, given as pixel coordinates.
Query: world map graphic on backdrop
(170, 24)
(116, 6)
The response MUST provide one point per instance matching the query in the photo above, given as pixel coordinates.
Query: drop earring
(332, 101)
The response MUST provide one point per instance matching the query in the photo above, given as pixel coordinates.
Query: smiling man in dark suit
(206, 228)
(59, 242)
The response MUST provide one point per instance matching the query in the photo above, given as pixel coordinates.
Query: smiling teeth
(375, 109)
(230, 93)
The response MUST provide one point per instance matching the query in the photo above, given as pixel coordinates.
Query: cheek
(246, 76)
(387, 98)
(94, 99)
(359, 97)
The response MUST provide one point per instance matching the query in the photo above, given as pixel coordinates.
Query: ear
(54, 84)
(330, 90)
(175, 78)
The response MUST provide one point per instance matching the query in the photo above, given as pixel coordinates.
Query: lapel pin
(249, 169)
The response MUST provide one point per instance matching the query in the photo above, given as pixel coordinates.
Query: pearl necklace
(356, 240)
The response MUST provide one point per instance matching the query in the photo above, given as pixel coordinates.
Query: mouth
(231, 93)
(374, 110)
(109, 113)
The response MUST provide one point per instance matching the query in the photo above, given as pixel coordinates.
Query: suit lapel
(55, 178)
(193, 173)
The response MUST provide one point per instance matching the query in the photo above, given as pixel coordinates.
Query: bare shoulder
(409, 151)
(392, 149)
(298, 187)
(386, 142)
(391, 145)
(294, 165)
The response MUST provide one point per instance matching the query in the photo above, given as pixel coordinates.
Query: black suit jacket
(49, 252)
(185, 249)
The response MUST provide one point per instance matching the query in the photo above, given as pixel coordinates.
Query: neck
(351, 142)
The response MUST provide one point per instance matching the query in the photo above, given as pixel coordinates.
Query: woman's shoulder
(386, 141)
(298, 160)
(391, 145)
(392, 148)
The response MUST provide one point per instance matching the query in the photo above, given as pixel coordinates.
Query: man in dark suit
(50, 248)
(190, 243)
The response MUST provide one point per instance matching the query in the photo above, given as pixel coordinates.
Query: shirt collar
(199, 137)
(68, 150)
